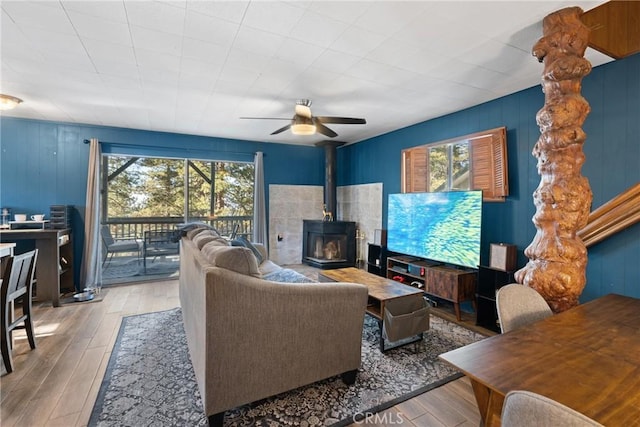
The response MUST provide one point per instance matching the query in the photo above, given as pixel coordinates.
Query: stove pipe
(330, 160)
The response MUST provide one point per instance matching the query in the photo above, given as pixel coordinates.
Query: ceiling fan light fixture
(303, 129)
(304, 123)
(303, 126)
(8, 102)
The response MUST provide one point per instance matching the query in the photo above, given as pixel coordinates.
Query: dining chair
(113, 246)
(527, 409)
(519, 305)
(17, 284)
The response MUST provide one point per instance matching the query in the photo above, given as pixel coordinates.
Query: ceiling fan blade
(282, 129)
(342, 120)
(265, 118)
(320, 128)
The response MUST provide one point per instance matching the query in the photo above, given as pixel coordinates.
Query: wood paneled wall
(612, 156)
(45, 163)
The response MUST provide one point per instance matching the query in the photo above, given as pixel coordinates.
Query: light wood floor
(57, 383)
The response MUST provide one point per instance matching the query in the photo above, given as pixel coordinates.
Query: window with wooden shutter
(472, 162)
(415, 170)
(489, 165)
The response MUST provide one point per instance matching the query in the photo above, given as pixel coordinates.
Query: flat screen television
(442, 226)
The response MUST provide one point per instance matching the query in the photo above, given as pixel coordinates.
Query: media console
(448, 283)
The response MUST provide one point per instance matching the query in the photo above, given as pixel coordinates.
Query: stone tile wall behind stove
(290, 204)
(363, 205)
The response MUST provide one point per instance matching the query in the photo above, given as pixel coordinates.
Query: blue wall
(613, 165)
(45, 163)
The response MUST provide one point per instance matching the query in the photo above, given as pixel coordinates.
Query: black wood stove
(328, 243)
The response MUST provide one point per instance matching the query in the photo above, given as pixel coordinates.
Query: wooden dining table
(6, 250)
(587, 358)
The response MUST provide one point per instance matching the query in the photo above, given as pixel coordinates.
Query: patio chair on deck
(113, 246)
(159, 243)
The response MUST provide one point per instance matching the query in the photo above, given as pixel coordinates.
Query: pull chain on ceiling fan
(304, 123)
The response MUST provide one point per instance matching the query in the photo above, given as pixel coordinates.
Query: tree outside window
(155, 187)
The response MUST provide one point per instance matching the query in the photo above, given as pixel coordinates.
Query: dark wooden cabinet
(54, 266)
(489, 281)
(451, 284)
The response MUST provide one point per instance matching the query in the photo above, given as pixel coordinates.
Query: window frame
(108, 176)
(488, 168)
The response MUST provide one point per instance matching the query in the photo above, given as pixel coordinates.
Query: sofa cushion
(243, 241)
(195, 231)
(235, 258)
(240, 260)
(205, 237)
(287, 275)
(268, 267)
(182, 229)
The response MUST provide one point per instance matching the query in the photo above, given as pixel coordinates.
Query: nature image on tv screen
(442, 226)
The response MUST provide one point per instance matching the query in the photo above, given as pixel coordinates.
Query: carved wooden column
(557, 257)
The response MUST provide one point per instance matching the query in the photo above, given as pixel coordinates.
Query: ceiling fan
(303, 123)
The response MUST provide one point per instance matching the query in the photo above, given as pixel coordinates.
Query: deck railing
(134, 228)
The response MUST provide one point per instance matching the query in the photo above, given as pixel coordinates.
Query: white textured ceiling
(195, 67)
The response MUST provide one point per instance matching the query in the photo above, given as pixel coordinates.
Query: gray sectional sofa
(250, 338)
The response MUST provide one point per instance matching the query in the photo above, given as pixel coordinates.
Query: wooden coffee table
(381, 290)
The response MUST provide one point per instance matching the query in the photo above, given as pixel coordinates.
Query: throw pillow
(237, 259)
(243, 241)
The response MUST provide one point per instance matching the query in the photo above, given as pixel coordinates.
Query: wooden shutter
(415, 170)
(489, 165)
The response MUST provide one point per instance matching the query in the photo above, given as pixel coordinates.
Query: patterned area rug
(150, 379)
(133, 267)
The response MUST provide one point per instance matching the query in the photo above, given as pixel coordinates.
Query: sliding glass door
(147, 198)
